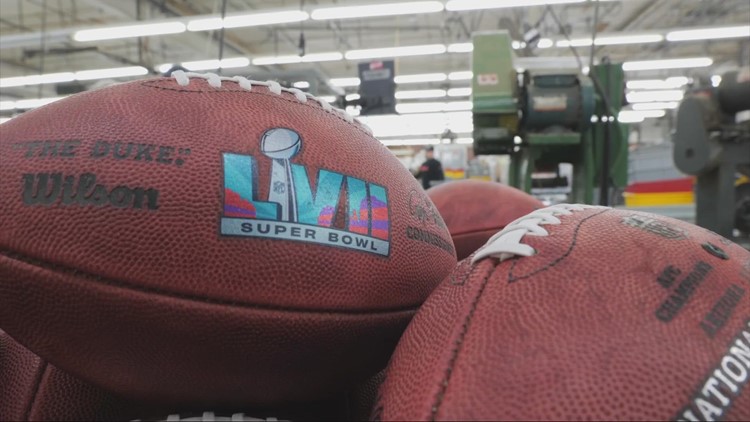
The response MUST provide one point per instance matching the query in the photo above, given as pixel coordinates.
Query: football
(211, 241)
(475, 210)
(582, 313)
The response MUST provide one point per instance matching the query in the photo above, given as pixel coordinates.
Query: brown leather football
(582, 313)
(475, 210)
(210, 240)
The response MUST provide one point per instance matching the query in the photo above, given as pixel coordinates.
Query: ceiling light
(419, 78)
(419, 124)
(164, 68)
(668, 64)
(715, 80)
(628, 116)
(628, 39)
(301, 84)
(464, 141)
(373, 10)
(263, 61)
(352, 97)
(544, 43)
(410, 142)
(213, 64)
(459, 92)
(648, 96)
(429, 107)
(496, 4)
(655, 106)
(344, 82)
(576, 42)
(261, 19)
(322, 57)
(115, 72)
(34, 103)
(7, 105)
(413, 50)
(669, 83)
(422, 93)
(48, 78)
(129, 31)
(463, 47)
(710, 33)
(460, 76)
(205, 24)
(328, 98)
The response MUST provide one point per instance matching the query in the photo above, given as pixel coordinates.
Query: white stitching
(183, 79)
(507, 243)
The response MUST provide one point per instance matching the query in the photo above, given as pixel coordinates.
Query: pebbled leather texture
(475, 210)
(580, 331)
(154, 301)
(33, 390)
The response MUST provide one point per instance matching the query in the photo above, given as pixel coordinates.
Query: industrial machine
(713, 145)
(543, 118)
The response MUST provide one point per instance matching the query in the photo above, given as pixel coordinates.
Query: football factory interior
(334, 210)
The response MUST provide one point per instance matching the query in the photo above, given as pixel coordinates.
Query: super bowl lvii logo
(295, 210)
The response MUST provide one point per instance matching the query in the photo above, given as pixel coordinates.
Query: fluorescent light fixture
(301, 84)
(612, 40)
(328, 98)
(628, 39)
(459, 92)
(308, 58)
(430, 107)
(115, 72)
(344, 82)
(262, 19)
(742, 31)
(34, 103)
(129, 31)
(48, 78)
(7, 105)
(669, 105)
(649, 96)
(352, 97)
(422, 93)
(374, 10)
(204, 24)
(461, 76)
(410, 142)
(627, 116)
(412, 50)
(419, 78)
(454, 5)
(215, 64)
(545, 43)
(669, 83)
(715, 80)
(463, 47)
(352, 110)
(464, 141)
(419, 124)
(263, 61)
(322, 57)
(668, 64)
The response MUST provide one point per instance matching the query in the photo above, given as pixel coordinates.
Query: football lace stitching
(214, 80)
(507, 242)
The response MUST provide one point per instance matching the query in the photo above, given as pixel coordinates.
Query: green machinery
(543, 118)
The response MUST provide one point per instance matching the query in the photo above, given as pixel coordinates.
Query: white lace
(507, 242)
(214, 80)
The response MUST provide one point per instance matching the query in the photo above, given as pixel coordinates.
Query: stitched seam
(458, 346)
(280, 96)
(186, 296)
(567, 253)
(37, 387)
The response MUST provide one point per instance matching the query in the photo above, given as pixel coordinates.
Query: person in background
(431, 170)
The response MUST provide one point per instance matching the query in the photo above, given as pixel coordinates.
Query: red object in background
(475, 210)
(684, 184)
(123, 263)
(615, 315)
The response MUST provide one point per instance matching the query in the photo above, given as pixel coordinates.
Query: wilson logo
(49, 189)
(296, 211)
